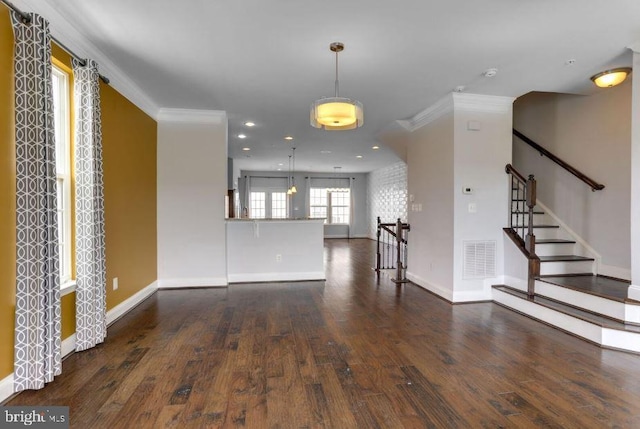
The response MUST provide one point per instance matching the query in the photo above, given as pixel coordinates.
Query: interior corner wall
(387, 195)
(192, 185)
(593, 134)
(482, 150)
(634, 290)
(430, 184)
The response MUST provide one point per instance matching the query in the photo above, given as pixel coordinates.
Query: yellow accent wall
(7, 197)
(129, 156)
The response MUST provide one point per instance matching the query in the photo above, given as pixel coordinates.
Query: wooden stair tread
(554, 241)
(526, 213)
(564, 258)
(584, 315)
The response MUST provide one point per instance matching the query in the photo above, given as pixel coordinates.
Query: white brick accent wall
(387, 196)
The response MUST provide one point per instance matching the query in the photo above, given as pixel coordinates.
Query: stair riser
(585, 301)
(622, 340)
(555, 249)
(548, 268)
(571, 324)
(546, 232)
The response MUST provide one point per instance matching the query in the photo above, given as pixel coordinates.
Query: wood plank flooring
(345, 353)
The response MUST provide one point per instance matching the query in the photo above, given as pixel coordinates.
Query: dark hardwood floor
(343, 353)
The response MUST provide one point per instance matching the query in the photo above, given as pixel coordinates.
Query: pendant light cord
(337, 84)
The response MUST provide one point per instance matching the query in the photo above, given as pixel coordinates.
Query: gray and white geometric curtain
(37, 334)
(91, 305)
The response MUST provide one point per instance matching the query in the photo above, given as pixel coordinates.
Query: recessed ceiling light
(249, 124)
(288, 138)
(375, 147)
(358, 156)
(280, 164)
(242, 136)
(325, 152)
(279, 169)
(246, 149)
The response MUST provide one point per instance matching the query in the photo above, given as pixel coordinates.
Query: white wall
(462, 141)
(430, 183)
(480, 156)
(387, 195)
(593, 134)
(192, 184)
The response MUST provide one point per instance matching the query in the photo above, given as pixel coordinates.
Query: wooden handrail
(595, 186)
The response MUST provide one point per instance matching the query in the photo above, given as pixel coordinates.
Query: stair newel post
(378, 249)
(530, 241)
(399, 266)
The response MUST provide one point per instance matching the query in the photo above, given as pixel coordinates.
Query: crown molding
(456, 101)
(482, 103)
(192, 116)
(73, 37)
(428, 115)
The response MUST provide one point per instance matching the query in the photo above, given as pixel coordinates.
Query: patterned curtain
(91, 306)
(37, 342)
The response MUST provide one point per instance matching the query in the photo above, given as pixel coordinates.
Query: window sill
(67, 287)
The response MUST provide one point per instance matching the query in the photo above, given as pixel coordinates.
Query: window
(257, 205)
(332, 204)
(278, 205)
(61, 118)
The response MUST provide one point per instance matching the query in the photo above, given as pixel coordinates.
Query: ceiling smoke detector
(490, 72)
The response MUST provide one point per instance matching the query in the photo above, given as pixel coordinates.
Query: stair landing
(605, 287)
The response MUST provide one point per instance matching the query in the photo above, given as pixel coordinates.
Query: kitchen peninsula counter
(271, 250)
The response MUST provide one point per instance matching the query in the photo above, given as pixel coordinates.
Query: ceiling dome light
(336, 113)
(249, 124)
(610, 78)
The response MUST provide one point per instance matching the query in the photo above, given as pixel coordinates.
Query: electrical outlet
(115, 283)
(278, 258)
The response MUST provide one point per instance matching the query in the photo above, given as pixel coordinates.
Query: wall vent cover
(479, 259)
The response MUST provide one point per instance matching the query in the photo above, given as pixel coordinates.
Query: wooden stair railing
(523, 200)
(392, 242)
(595, 186)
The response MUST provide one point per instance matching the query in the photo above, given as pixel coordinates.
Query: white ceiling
(267, 60)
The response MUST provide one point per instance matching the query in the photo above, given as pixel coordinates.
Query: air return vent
(479, 259)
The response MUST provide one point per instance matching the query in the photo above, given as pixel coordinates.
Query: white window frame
(328, 219)
(62, 125)
(268, 203)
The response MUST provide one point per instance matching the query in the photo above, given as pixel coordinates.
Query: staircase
(566, 292)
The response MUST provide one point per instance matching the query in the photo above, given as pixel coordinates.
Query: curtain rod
(311, 177)
(26, 18)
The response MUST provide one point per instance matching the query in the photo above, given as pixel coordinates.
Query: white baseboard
(190, 282)
(612, 271)
(68, 345)
(437, 289)
(6, 387)
(275, 277)
(125, 306)
(634, 292)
